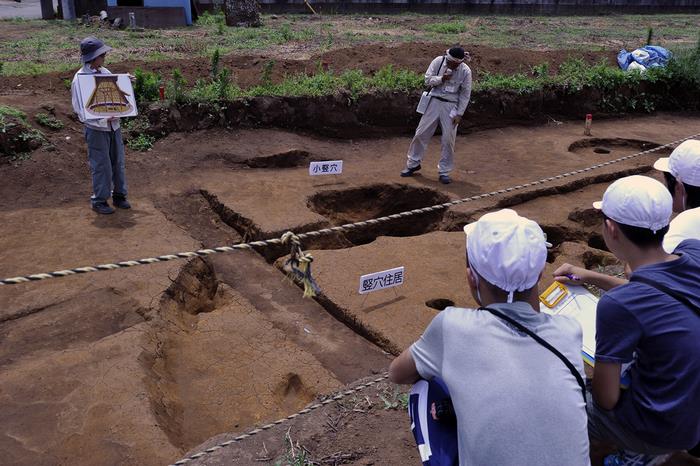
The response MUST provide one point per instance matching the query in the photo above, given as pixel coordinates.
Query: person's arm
(423, 359)
(75, 100)
(403, 369)
(568, 273)
(465, 93)
(617, 336)
(606, 384)
(432, 76)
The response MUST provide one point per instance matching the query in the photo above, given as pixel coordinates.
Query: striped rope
(325, 231)
(257, 430)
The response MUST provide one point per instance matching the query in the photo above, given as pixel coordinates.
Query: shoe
(628, 458)
(445, 179)
(120, 202)
(102, 208)
(410, 171)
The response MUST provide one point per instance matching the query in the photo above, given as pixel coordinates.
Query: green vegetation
(48, 121)
(394, 399)
(453, 27)
(6, 111)
(146, 85)
(142, 142)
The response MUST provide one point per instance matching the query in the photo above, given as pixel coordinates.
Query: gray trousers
(604, 426)
(106, 158)
(437, 112)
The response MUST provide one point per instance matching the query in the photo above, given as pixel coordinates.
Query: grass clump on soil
(48, 121)
(141, 143)
(17, 138)
(452, 27)
(146, 86)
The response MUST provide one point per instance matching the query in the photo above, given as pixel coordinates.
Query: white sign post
(381, 280)
(330, 167)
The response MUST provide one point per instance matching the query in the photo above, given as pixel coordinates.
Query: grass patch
(141, 143)
(7, 111)
(48, 121)
(453, 27)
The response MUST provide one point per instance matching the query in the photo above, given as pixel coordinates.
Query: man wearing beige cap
(682, 173)
(513, 374)
(652, 322)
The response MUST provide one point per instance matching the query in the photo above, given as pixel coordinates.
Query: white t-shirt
(516, 402)
(685, 226)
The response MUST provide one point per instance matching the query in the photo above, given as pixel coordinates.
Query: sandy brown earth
(142, 365)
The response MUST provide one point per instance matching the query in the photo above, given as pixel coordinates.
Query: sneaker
(120, 202)
(445, 179)
(410, 171)
(629, 458)
(102, 208)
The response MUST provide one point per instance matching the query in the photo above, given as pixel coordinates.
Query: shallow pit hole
(288, 159)
(379, 200)
(440, 303)
(607, 145)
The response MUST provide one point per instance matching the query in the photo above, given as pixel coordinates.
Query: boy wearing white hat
(103, 137)
(450, 83)
(682, 173)
(514, 375)
(652, 321)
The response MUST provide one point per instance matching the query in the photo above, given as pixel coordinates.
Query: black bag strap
(664, 289)
(439, 68)
(544, 343)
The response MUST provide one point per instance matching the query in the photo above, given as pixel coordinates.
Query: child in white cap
(682, 173)
(516, 401)
(652, 321)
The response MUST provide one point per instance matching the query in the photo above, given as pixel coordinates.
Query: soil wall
(394, 113)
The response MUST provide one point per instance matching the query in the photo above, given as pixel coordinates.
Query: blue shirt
(662, 335)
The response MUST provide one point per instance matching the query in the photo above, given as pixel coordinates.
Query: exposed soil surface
(142, 365)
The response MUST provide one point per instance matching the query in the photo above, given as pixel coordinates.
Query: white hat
(684, 162)
(507, 250)
(637, 201)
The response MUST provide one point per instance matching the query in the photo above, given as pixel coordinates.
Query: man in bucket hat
(653, 322)
(516, 402)
(450, 83)
(103, 137)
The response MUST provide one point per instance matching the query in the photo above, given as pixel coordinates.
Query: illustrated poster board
(106, 96)
(580, 304)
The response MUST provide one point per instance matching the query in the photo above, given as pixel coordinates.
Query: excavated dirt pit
(166, 356)
(354, 205)
(609, 146)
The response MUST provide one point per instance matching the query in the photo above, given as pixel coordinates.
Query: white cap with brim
(507, 250)
(684, 162)
(637, 201)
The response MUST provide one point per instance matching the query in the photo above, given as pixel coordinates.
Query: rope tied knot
(298, 266)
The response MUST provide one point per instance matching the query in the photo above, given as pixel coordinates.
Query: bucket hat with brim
(91, 48)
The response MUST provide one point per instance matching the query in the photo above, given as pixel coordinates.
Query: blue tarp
(651, 56)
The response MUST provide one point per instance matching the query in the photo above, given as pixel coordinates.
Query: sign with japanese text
(331, 167)
(380, 280)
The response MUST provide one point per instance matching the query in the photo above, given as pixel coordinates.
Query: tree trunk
(244, 13)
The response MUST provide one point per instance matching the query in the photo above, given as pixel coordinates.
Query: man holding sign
(103, 136)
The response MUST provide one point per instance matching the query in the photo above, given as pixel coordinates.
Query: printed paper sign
(331, 167)
(380, 280)
(106, 95)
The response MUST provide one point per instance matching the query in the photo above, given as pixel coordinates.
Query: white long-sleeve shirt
(457, 89)
(101, 124)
